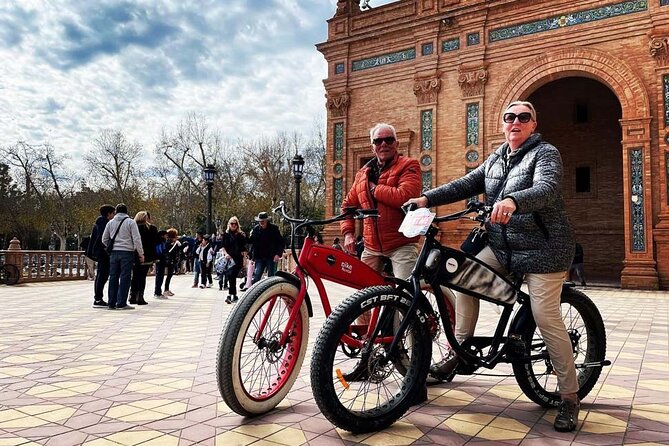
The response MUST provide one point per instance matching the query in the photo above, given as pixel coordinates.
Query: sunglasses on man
(388, 140)
(523, 117)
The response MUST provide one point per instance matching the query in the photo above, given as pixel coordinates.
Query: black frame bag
(475, 241)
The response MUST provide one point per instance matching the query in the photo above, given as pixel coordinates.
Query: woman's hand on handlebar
(419, 202)
(502, 211)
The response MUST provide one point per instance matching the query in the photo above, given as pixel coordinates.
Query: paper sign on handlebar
(416, 222)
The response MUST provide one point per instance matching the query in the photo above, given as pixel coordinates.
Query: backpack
(223, 265)
(160, 249)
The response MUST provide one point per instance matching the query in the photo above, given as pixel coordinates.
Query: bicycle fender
(292, 278)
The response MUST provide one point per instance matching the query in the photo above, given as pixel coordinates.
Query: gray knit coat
(538, 238)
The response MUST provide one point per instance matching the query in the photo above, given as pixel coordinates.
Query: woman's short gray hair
(379, 126)
(527, 104)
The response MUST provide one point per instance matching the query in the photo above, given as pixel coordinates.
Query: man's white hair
(379, 126)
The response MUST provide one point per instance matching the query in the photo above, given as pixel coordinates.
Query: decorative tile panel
(426, 160)
(426, 129)
(472, 156)
(565, 20)
(426, 49)
(339, 141)
(450, 45)
(338, 195)
(340, 68)
(427, 180)
(384, 59)
(338, 168)
(638, 228)
(473, 39)
(472, 125)
(664, 2)
(666, 168)
(665, 84)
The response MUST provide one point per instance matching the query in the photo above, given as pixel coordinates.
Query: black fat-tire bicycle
(9, 274)
(373, 389)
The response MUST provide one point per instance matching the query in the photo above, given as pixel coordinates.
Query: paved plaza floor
(71, 375)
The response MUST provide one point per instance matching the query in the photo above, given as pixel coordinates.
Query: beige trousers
(544, 290)
(402, 258)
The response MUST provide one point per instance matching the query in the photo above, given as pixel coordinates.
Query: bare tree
(115, 163)
(191, 147)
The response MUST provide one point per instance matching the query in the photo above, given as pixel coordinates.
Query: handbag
(475, 241)
(110, 246)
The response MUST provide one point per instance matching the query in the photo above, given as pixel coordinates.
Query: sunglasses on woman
(523, 117)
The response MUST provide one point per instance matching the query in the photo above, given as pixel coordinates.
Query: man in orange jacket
(384, 183)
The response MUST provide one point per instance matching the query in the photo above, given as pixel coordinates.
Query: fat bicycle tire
(364, 394)
(584, 324)
(255, 376)
(9, 274)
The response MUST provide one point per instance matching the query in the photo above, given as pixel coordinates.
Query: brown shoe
(444, 369)
(567, 416)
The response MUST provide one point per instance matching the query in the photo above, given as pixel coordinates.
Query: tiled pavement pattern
(71, 374)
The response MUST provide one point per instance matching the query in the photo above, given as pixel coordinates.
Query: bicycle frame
(320, 262)
(432, 256)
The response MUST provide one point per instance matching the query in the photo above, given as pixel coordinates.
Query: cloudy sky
(70, 68)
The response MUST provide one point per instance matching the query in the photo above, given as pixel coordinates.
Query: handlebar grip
(409, 207)
(364, 213)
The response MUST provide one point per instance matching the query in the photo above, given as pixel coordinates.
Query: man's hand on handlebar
(349, 243)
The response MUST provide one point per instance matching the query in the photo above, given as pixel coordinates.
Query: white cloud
(72, 68)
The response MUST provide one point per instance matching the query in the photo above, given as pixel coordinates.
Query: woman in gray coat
(529, 234)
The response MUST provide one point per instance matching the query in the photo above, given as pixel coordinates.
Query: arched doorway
(580, 116)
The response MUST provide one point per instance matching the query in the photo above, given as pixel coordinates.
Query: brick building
(442, 72)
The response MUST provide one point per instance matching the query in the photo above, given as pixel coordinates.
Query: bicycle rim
(258, 370)
(372, 390)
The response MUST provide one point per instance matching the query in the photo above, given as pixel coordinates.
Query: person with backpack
(161, 263)
(96, 251)
(172, 253)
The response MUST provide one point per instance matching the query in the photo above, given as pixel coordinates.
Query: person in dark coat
(149, 235)
(96, 251)
(234, 244)
(268, 245)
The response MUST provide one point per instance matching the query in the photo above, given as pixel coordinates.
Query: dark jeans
(160, 274)
(138, 284)
(170, 272)
(120, 272)
(205, 273)
(101, 277)
(231, 278)
(262, 265)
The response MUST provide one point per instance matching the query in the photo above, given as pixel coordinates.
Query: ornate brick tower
(442, 72)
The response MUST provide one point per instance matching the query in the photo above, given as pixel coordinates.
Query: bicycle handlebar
(481, 209)
(350, 212)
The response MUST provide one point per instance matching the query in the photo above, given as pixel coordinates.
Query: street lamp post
(209, 174)
(298, 170)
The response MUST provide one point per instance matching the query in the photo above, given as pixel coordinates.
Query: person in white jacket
(122, 235)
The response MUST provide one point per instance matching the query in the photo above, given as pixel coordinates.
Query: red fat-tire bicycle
(265, 337)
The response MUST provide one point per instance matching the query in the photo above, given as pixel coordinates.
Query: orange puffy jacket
(398, 181)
